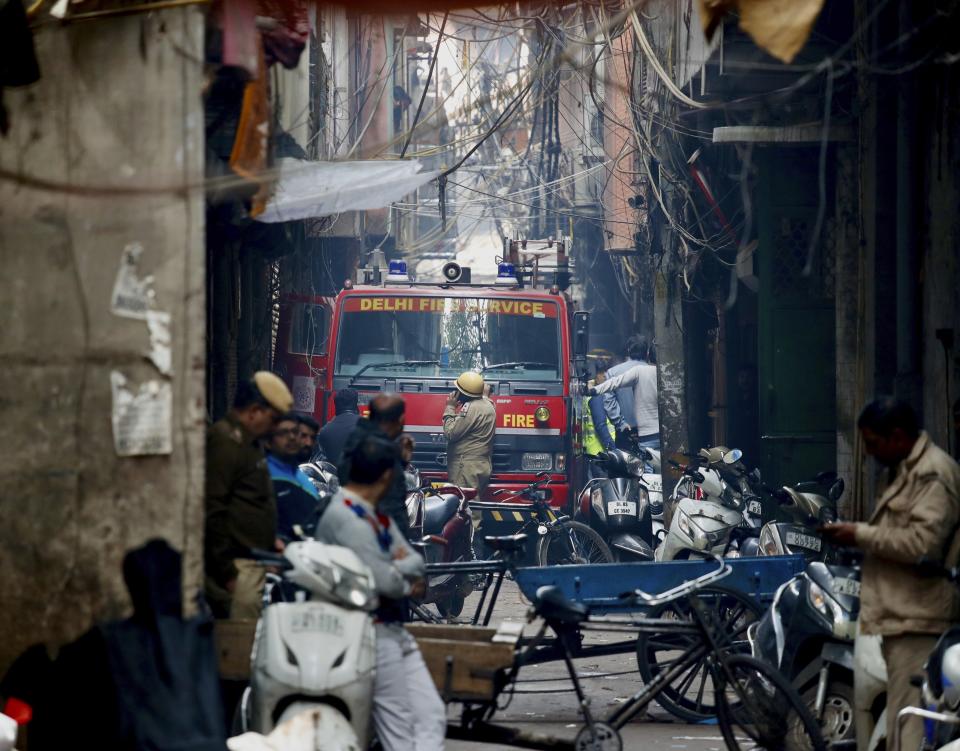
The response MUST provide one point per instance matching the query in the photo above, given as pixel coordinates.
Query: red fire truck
(415, 339)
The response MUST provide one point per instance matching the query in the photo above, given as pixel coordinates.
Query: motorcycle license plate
(755, 507)
(622, 507)
(845, 586)
(804, 541)
(654, 483)
(317, 621)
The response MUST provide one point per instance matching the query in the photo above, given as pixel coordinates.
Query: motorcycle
(323, 475)
(618, 505)
(806, 508)
(808, 635)
(704, 509)
(442, 530)
(314, 649)
(940, 690)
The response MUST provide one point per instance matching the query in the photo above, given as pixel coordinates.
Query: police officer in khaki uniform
(241, 512)
(469, 421)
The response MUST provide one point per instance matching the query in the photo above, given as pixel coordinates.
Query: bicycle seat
(554, 607)
(507, 543)
(437, 511)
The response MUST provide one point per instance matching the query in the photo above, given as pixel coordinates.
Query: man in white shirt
(641, 379)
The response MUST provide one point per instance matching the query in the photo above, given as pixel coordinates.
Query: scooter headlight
(689, 527)
(769, 542)
(354, 589)
(830, 609)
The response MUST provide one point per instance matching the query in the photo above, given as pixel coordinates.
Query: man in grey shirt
(408, 713)
(634, 390)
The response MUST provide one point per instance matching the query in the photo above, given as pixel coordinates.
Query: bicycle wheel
(758, 708)
(570, 543)
(690, 696)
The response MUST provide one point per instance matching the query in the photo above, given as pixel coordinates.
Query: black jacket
(333, 436)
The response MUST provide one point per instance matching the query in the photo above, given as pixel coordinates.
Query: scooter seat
(507, 543)
(553, 607)
(437, 511)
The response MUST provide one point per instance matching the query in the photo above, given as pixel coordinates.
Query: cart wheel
(599, 737)
(452, 607)
(690, 696)
(759, 708)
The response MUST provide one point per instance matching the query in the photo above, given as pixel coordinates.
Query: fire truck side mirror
(581, 334)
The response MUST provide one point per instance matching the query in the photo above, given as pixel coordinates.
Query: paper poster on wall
(142, 418)
(132, 295)
(304, 394)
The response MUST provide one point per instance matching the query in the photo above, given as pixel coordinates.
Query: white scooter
(313, 653)
(703, 511)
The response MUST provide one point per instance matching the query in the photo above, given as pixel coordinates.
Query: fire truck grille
(432, 459)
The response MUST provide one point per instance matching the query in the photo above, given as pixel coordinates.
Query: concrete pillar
(668, 325)
(104, 161)
(851, 306)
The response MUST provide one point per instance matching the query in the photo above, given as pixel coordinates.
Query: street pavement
(546, 704)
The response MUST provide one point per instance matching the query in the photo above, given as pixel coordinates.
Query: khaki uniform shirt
(241, 512)
(469, 431)
(917, 515)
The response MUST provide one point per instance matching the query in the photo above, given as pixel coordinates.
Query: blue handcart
(602, 586)
(607, 589)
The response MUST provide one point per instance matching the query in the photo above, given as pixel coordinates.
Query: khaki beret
(273, 390)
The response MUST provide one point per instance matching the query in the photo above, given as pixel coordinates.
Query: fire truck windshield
(401, 335)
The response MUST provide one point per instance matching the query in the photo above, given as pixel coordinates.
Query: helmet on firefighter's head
(470, 384)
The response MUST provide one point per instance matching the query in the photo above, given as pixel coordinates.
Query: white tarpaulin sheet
(307, 190)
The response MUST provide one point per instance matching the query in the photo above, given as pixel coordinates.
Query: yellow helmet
(470, 384)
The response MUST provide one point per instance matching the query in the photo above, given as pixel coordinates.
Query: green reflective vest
(591, 441)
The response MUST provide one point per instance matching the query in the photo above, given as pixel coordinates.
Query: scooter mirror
(836, 490)
(732, 456)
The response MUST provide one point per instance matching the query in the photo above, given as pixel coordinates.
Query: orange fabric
(251, 144)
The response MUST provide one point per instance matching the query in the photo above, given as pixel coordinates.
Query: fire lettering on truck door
(518, 421)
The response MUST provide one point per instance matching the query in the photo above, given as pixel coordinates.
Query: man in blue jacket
(297, 498)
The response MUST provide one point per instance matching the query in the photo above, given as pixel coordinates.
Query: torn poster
(142, 421)
(304, 394)
(160, 350)
(132, 296)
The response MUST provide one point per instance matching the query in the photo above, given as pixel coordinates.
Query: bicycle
(756, 707)
(560, 539)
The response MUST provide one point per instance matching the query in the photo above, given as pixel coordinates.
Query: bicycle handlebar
(723, 570)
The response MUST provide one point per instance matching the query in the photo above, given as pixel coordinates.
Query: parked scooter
(808, 635)
(315, 645)
(323, 475)
(806, 506)
(703, 511)
(618, 506)
(441, 528)
(940, 690)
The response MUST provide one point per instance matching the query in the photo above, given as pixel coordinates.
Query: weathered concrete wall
(118, 105)
(941, 258)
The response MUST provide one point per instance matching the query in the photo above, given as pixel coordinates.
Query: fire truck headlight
(541, 414)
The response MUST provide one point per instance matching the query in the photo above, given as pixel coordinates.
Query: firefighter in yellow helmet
(469, 421)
